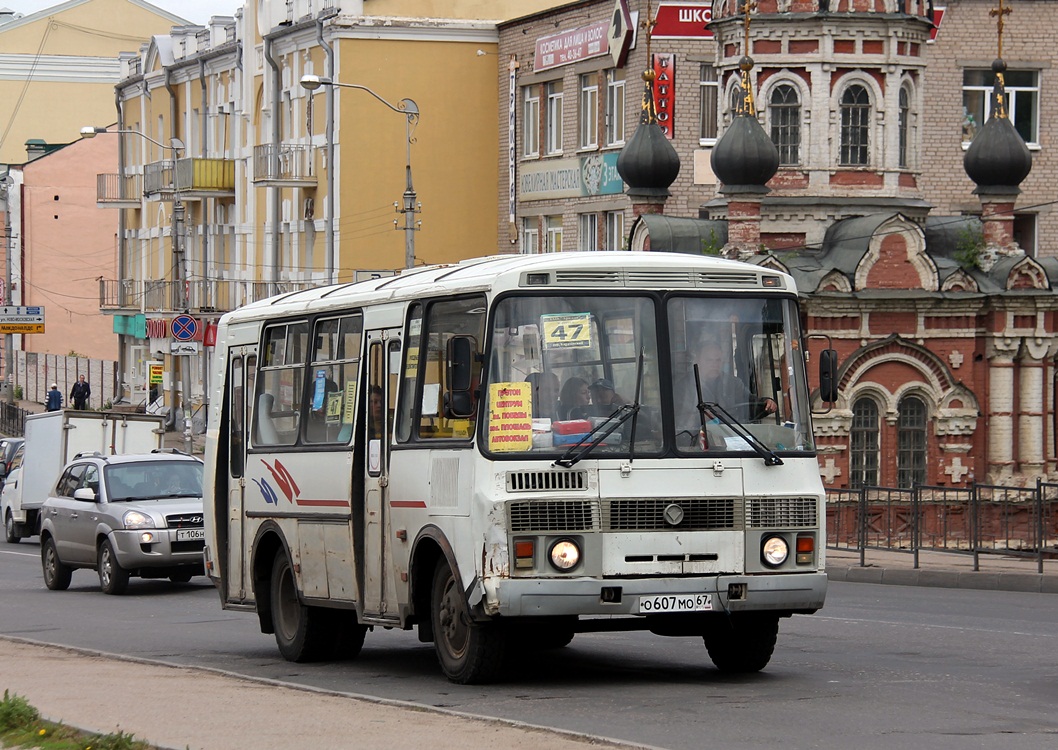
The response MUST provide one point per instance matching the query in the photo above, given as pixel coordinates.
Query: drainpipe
(273, 191)
(328, 240)
(122, 250)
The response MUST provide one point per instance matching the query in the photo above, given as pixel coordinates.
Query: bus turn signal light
(524, 552)
(806, 547)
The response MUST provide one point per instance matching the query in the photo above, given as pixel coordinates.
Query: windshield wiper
(762, 450)
(580, 449)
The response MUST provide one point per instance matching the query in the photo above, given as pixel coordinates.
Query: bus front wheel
(469, 652)
(742, 643)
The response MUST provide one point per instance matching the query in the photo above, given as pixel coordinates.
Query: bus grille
(781, 512)
(546, 481)
(698, 514)
(554, 515)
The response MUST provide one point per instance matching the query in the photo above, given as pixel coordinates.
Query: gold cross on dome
(998, 14)
(748, 7)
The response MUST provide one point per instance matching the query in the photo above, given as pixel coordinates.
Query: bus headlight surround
(564, 555)
(774, 551)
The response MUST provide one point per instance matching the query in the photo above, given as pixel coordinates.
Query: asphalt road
(878, 667)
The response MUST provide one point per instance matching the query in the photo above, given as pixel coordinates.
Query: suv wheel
(113, 579)
(56, 575)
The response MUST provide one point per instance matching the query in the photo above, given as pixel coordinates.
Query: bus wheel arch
(268, 542)
(430, 547)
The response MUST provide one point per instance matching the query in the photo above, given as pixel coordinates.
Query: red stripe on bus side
(324, 503)
(407, 504)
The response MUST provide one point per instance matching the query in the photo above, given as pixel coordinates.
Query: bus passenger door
(230, 534)
(383, 359)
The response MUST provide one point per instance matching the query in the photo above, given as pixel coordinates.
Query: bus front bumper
(539, 597)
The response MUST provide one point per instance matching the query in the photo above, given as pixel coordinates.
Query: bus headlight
(774, 551)
(565, 554)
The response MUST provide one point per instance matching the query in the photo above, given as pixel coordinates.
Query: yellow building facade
(237, 182)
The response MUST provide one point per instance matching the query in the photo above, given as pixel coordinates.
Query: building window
(911, 442)
(589, 110)
(553, 118)
(530, 236)
(1023, 101)
(902, 124)
(615, 107)
(531, 121)
(553, 238)
(708, 93)
(855, 123)
(785, 112)
(589, 232)
(615, 230)
(863, 467)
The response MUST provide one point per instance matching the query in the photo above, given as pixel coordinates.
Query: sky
(197, 11)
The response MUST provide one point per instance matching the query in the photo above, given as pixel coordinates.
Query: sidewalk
(177, 708)
(943, 569)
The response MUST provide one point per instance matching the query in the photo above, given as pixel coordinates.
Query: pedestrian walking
(79, 393)
(54, 402)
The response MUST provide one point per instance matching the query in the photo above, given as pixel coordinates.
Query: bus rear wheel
(469, 652)
(742, 643)
(302, 633)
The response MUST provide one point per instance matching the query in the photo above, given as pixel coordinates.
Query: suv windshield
(561, 366)
(153, 479)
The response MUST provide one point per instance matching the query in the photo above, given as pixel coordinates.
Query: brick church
(945, 328)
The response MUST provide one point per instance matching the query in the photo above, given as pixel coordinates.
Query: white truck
(52, 440)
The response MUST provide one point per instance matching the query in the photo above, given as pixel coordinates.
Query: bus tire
(348, 634)
(302, 633)
(742, 643)
(469, 652)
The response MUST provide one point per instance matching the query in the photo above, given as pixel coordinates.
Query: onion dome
(998, 159)
(648, 163)
(744, 158)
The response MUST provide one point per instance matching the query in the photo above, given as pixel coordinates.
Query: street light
(410, 110)
(177, 147)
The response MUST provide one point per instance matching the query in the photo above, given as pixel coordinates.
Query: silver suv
(131, 515)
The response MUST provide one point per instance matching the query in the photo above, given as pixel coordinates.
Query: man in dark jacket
(79, 393)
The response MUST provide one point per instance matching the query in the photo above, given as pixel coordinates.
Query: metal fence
(980, 519)
(12, 420)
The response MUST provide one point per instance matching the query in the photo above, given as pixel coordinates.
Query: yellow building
(58, 67)
(238, 182)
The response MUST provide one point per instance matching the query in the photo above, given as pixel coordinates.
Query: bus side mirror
(828, 376)
(458, 401)
(460, 356)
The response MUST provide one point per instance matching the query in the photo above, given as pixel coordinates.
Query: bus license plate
(190, 535)
(663, 603)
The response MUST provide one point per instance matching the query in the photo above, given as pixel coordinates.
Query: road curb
(1035, 583)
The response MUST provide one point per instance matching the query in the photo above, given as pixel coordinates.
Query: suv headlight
(134, 519)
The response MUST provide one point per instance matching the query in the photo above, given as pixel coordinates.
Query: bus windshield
(561, 366)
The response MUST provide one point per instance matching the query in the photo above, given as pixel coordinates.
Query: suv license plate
(190, 535)
(663, 603)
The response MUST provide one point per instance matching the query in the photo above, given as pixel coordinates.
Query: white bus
(510, 450)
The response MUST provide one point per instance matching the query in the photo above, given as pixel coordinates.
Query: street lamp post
(411, 206)
(177, 147)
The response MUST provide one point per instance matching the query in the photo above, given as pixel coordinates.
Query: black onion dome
(648, 163)
(744, 158)
(998, 159)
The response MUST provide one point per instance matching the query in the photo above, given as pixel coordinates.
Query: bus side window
(280, 384)
(446, 320)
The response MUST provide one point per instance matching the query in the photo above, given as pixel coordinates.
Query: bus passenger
(574, 400)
